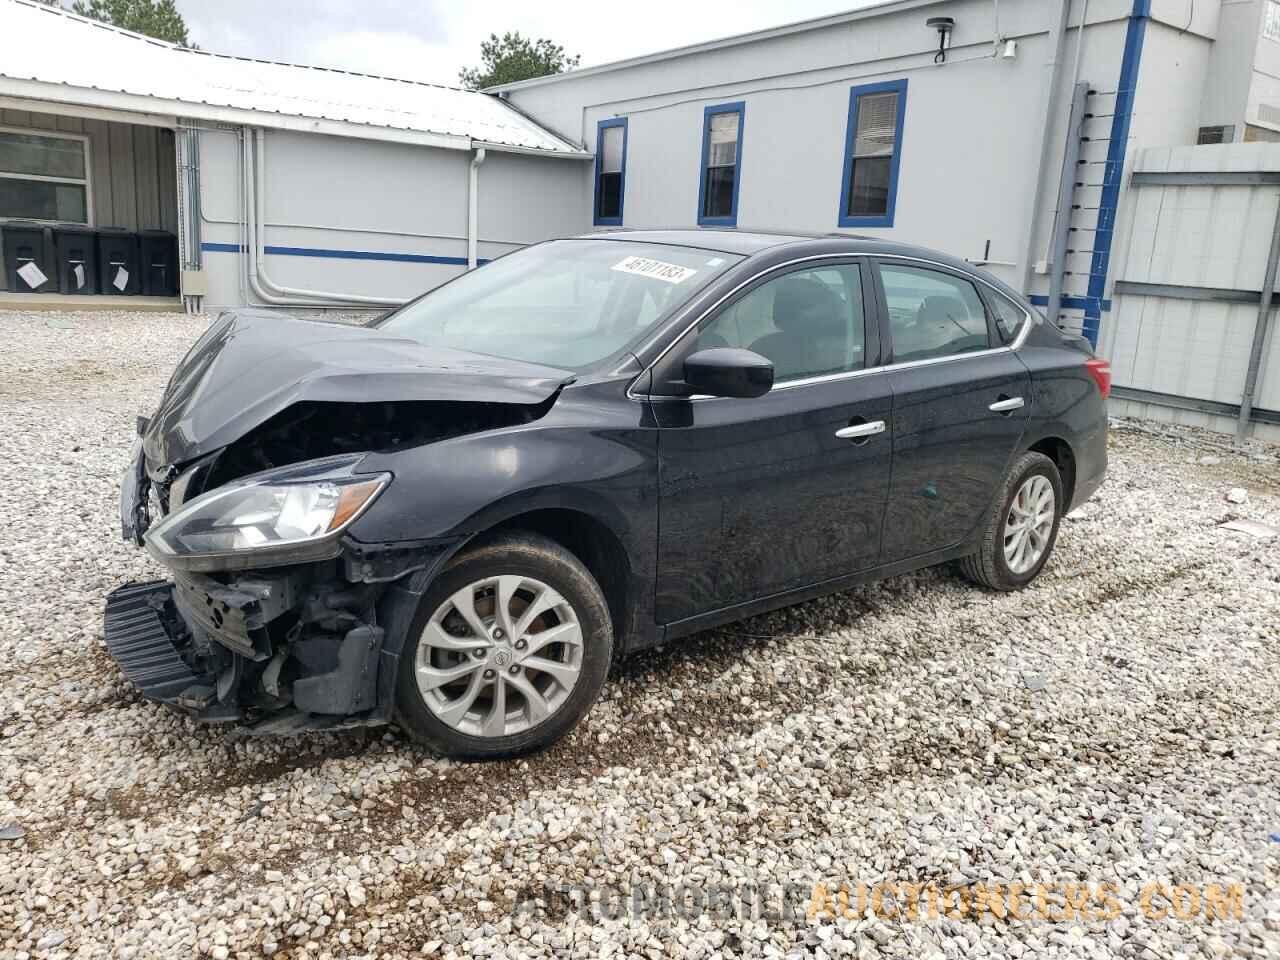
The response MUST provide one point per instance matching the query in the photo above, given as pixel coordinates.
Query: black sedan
(457, 517)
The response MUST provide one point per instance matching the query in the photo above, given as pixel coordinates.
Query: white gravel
(1115, 724)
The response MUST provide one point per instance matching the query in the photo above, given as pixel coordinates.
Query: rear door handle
(1006, 405)
(859, 431)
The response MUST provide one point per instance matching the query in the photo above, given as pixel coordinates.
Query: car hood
(250, 365)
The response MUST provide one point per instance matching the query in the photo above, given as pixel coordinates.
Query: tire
(446, 659)
(990, 566)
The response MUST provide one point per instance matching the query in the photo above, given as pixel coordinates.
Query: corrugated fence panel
(1194, 234)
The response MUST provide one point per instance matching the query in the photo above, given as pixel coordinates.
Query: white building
(310, 188)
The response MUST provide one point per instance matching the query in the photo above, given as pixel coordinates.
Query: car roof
(749, 243)
(741, 242)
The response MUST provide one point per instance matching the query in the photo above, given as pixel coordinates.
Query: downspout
(473, 212)
(1046, 129)
(258, 279)
(259, 181)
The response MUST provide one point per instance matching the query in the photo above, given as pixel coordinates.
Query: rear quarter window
(1008, 315)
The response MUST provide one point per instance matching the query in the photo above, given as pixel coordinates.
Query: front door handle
(860, 431)
(1007, 405)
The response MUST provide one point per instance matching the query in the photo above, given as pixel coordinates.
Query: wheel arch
(1063, 456)
(588, 538)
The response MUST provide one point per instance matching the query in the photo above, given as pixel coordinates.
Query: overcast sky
(431, 39)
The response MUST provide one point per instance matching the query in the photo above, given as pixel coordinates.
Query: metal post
(1066, 190)
(1259, 332)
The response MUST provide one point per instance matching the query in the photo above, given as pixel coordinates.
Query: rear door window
(932, 314)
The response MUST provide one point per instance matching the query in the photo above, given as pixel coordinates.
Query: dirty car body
(305, 484)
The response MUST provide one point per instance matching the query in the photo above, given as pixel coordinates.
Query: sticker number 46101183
(657, 269)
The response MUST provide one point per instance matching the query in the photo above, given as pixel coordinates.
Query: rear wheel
(509, 649)
(1022, 531)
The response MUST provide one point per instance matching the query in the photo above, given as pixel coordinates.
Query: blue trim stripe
(622, 179)
(740, 108)
(851, 130)
(326, 254)
(1113, 171)
(1072, 303)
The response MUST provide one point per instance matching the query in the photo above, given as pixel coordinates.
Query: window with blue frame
(872, 151)
(721, 171)
(611, 170)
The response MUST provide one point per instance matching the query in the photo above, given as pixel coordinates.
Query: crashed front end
(271, 620)
(245, 485)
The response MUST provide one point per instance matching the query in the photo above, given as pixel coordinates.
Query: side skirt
(787, 598)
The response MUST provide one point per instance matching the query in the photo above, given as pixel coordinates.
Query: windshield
(567, 303)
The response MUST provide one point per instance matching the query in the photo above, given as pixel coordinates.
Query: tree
(512, 57)
(155, 18)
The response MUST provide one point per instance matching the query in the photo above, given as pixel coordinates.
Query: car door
(961, 403)
(760, 496)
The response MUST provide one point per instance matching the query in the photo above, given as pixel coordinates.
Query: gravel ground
(1116, 725)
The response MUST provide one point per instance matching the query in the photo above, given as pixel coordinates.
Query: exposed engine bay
(310, 430)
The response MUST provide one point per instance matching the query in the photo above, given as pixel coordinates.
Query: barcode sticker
(121, 279)
(655, 269)
(32, 275)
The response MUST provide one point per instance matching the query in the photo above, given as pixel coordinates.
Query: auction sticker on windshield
(657, 269)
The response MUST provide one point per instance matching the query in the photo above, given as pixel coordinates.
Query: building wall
(376, 219)
(132, 173)
(1226, 90)
(1263, 107)
(970, 145)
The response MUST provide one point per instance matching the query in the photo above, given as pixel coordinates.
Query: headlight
(283, 516)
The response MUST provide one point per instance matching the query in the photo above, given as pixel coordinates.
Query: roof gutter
(574, 154)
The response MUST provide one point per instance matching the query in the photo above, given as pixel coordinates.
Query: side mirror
(728, 372)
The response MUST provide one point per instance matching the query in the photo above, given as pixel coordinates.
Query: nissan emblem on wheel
(457, 517)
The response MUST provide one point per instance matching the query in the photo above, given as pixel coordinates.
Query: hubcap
(499, 656)
(1029, 524)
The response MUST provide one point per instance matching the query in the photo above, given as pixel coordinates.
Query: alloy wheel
(499, 656)
(1029, 524)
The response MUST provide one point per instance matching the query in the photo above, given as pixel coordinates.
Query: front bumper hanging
(266, 652)
(139, 641)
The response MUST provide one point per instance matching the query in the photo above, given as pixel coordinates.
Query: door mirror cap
(728, 372)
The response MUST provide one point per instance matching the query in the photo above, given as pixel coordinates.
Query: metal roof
(49, 54)
(870, 8)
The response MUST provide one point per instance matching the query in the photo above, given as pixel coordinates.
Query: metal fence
(1190, 334)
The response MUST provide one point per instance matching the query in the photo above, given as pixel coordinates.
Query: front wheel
(509, 649)
(1021, 533)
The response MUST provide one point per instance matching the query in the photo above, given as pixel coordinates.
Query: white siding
(337, 194)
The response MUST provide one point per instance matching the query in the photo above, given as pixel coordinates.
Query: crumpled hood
(249, 365)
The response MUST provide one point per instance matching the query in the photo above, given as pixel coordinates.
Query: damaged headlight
(283, 516)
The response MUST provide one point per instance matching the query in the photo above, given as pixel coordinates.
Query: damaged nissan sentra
(457, 517)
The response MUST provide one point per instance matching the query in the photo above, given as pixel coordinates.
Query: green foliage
(155, 18)
(512, 57)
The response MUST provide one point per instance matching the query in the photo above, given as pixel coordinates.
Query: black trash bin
(117, 261)
(158, 257)
(77, 257)
(28, 257)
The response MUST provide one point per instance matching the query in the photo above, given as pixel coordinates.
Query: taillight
(1100, 370)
